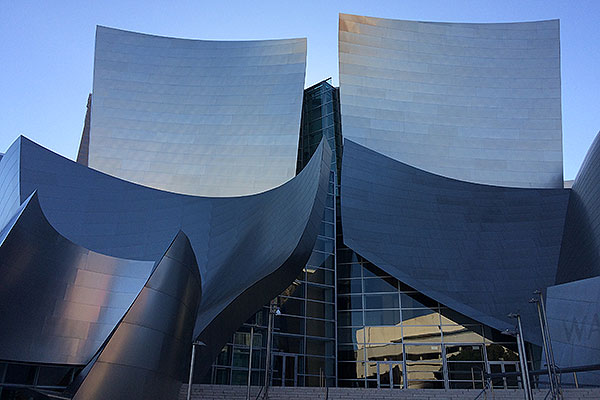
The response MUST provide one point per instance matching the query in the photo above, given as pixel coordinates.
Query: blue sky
(47, 47)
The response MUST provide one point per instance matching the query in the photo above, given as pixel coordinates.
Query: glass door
(285, 370)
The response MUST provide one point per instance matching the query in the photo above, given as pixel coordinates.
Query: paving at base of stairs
(224, 392)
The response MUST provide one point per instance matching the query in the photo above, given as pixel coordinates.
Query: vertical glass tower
(304, 333)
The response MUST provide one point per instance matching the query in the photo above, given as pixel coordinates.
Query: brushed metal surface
(480, 250)
(199, 117)
(475, 102)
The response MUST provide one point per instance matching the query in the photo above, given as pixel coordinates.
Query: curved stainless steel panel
(574, 325)
(58, 301)
(241, 243)
(480, 250)
(211, 118)
(475, 102)
(144, 358)
(580, 252)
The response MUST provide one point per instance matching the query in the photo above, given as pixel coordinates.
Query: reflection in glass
(423, 352)
(375, 285)
(384, 352)
(421, 334)
(379, 301)
(382, 334)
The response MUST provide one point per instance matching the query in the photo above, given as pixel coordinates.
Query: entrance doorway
(285, 370)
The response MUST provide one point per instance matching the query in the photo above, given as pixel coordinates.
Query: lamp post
(545, 344)
(552, 361)
(250, 362)
(516, 335)
(522, 357)
(273, 310)
(189, 389)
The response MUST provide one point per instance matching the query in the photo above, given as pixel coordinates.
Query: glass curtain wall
(16, 376)
(391, 336)
(304, 334)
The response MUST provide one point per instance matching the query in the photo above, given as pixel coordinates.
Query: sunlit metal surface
(480, 250)
(144, 358)
(475, 102)
(248, 248)
(58, 301)
(211, 118)
(580, 252)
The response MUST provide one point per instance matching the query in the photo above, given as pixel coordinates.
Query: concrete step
(225, 392)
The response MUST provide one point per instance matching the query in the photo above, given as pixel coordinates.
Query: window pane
(319, 293)
(291, 306)
(350, 302)
(20, 373)
(425, 334)
(350, 318)
(383, 334)
(347, 370)
(54, 376)
(464, 353)
(289, 324)
(384, 352)
(423, 353)
(416, 300)
(420, 317)
(288, 344)
(351, 335)
(383, 317)
(318, 275)
(349, 270)
(320, 310)
(350, 353)
(320, 347)
(319, 328)
(373, 285)
(350, 286)
(463, 334)
(382, 301)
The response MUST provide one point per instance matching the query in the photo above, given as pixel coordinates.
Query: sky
(47, 50)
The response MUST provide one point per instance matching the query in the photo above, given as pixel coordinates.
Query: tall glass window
(391, 336)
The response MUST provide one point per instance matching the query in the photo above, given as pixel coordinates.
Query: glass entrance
(389, 375)
(285, 370)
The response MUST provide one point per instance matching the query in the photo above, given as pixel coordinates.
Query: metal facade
(574, 323)
(580, 252)
(144, 356)
(210, 118)
(480, 250)
(60, 300)
(475, 102)
(248, 248)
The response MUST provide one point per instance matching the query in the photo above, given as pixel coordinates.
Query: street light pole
(189, 389)
(522, 357)
(545, 344)
(552, 361)
(273, 310)
(516, 335)
(250, 362)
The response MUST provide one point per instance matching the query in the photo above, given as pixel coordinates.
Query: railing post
(250, 362)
